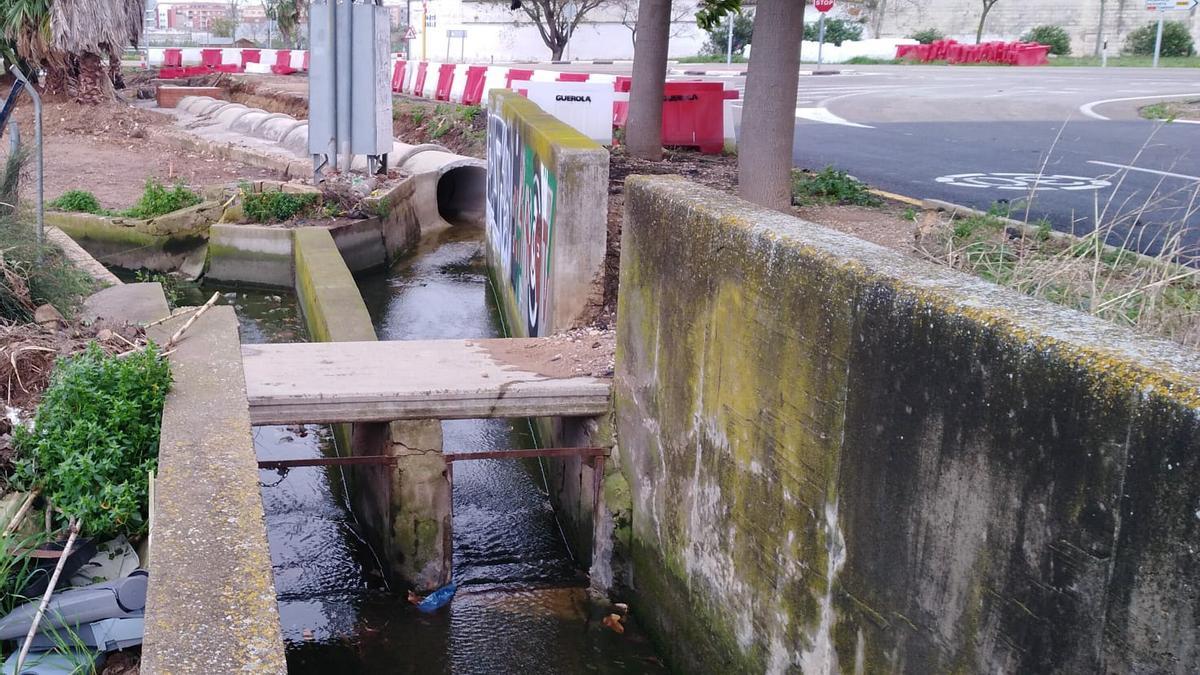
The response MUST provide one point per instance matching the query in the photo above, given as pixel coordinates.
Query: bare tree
(682, 13)
(987, 7)
(556, 20)
(769, 116)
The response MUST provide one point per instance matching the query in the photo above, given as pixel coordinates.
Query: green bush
(157, 200)
(928, 36)
(837, 31)
(1176, 40)
(1054, 36)
(743, 32)
(79, 201)
(275, 207)
(54, 280)
(95, 438)
(830, 186)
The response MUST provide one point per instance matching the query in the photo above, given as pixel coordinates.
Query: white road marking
(1089, 108)
(823, 115)
(1138, 168)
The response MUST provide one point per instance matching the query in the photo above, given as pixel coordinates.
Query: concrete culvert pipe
(460, 195)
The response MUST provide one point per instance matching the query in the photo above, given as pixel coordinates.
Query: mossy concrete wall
(252, 254)
(841, 458)
(547, 214)
(404, 509)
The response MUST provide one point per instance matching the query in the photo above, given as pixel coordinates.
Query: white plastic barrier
(586, 106)
(495, 78)
(432, 71)
(459, 85)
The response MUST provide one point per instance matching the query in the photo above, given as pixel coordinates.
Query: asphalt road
(1049, 138)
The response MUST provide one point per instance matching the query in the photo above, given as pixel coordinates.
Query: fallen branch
(188, 324)
(37, 619)
(20, 515)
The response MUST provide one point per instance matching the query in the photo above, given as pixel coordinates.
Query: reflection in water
(522, 606)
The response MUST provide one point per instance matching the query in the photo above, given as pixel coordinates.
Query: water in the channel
(522, 606)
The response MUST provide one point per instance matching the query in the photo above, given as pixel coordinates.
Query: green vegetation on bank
(95, 438)
(1154, 295)
(830, 186)
(1128, 61)
(27, 283)
(156, 200)
(275, 207)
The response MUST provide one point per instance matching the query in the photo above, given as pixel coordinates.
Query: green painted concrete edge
(333, 308)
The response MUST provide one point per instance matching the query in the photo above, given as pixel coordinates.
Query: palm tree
(77, 42)
(287, 15)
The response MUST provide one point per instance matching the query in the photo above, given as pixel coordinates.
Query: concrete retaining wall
(211, 605)
(253, 254)
(843, 458)
(333, 308)
(547, 208)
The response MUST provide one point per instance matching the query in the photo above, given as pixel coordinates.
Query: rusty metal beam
(522, 454)
(325, 461)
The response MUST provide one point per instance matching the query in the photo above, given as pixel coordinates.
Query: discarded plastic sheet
(438, 599)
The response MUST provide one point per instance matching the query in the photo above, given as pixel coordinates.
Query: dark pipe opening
(460, 195)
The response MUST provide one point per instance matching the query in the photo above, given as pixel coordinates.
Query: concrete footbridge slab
(420, 379)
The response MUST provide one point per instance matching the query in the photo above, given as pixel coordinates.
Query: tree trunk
(982, 18)
(95, 86)
(769, 115)
(643, 129)
(557, 52)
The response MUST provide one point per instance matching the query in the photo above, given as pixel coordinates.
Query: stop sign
(823, 5)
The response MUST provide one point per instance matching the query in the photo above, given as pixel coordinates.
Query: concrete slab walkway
(420, 379)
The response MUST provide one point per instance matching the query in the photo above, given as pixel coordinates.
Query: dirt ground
(883, 225)
(111, 152)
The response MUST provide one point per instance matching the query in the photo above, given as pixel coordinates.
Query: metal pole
(37, 142)
(729, 42)
(820, 39)
(1158, 38)
(408, 54)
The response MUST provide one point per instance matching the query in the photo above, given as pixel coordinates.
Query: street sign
(826, 5)
(456, 33)
(410, 34)
(1171, 5)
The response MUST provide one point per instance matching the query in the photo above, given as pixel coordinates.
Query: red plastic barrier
(473, 91)
(250, 56)
(445, 81)
(304, 65)
(515, 75)
(398, 75)
(283, 62)
(1032, 55)
(906, 51)
(172, 58)
(419, 80)
(573, 77)
(693, 115)
(621, 108)
(171, 73)
(210, 58)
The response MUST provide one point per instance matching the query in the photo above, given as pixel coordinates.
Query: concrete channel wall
(547, 214)
(841, 457)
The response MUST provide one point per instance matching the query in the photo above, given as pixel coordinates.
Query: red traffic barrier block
(283, 63)
(1032, 55)
(419, 80)
(621, 108)
(445, 81)
(693, 115)
(210, 58)
(516, 75)
(304, 64)
(250, 56)
(906, 51)
(171, 73)
(398, 75)
(573, 77)
(473, 90)
(172, 58)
